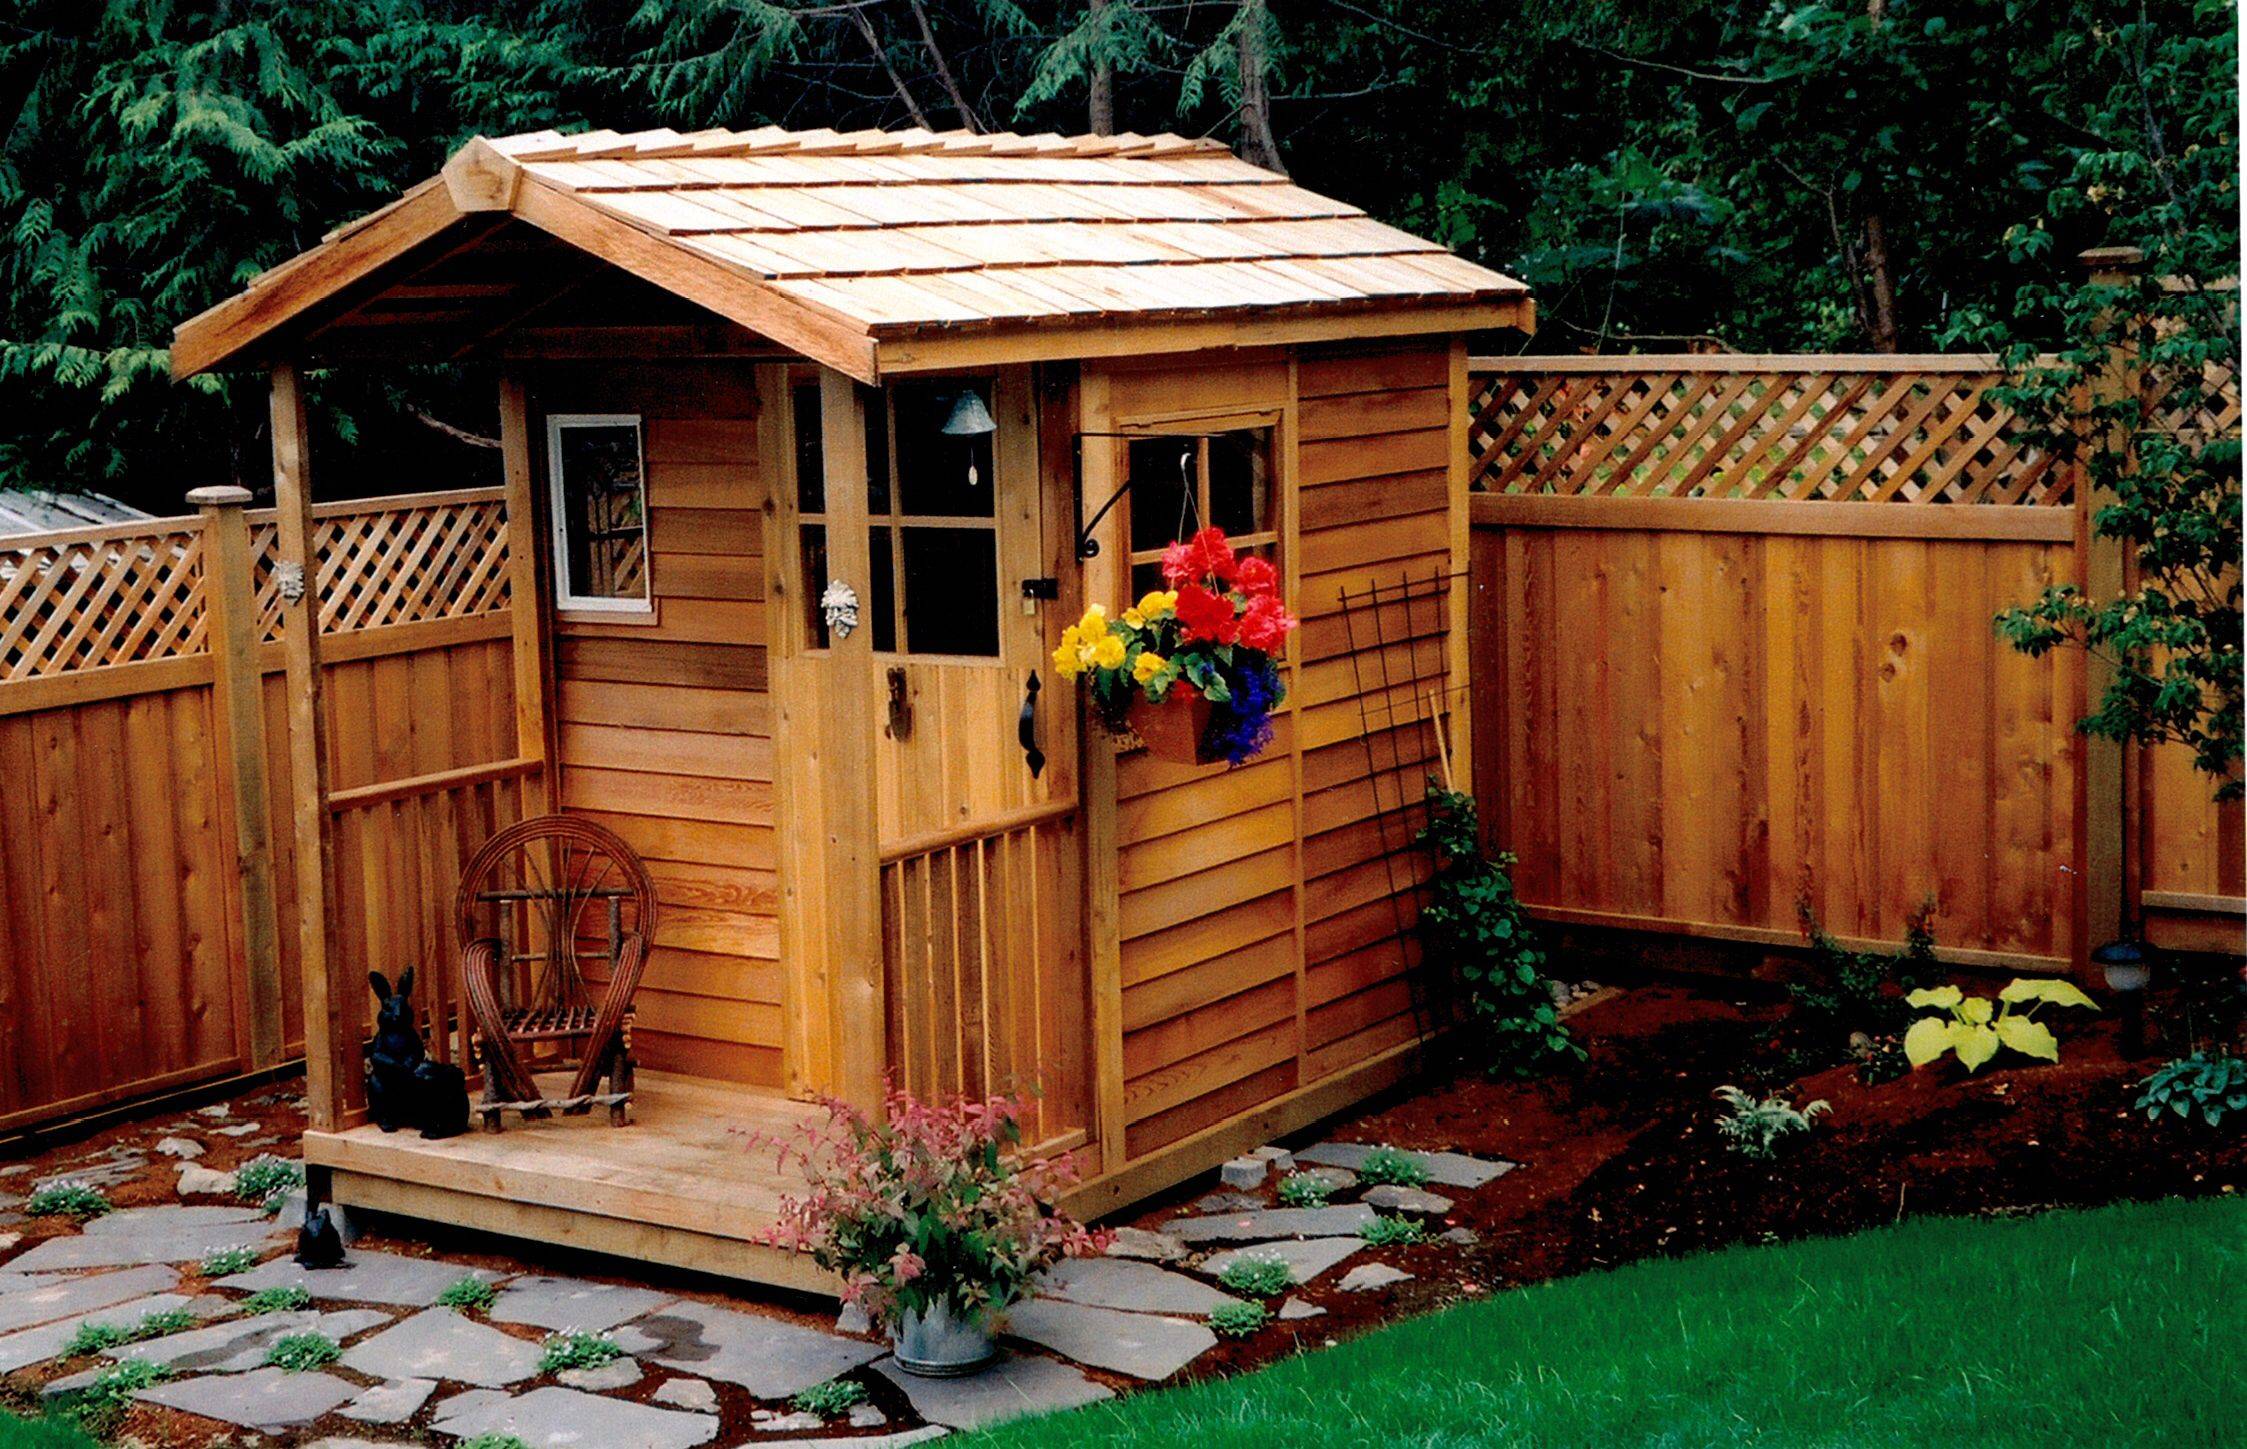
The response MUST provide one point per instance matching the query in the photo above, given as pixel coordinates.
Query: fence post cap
(220, 495)
(2116, 258)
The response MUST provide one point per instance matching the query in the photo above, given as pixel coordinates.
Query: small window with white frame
(598, 485)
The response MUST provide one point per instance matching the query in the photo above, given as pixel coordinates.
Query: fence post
(230, 598)
(2104, 858)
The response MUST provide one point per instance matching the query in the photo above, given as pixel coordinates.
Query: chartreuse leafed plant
(834, 1397)
(1755, 1126)
(302, 1352)
(470, 1294)
(1303, 1189)
(2209, 1086)
(1261, 1274)
(68, 1198)
(577, 1351)
(1473, 929)
(1238, 1320)
(1975, 1027)
(286, 1299)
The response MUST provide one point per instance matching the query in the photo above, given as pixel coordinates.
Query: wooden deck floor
(692, 1181)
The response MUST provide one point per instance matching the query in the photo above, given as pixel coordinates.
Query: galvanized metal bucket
(941, 1344)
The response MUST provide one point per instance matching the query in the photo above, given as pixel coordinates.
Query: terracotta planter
(1176, 729)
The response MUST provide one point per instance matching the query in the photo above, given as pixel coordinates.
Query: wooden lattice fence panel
(1925, 430)
(394, 561)
(101, 596)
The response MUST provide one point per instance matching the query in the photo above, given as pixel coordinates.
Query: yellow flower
(1135, 619)
(1160, 604)
(1066, 663)
(1148, 665)
(1108, 653)
(1094, 625)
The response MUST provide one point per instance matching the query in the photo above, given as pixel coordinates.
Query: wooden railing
(983, 966)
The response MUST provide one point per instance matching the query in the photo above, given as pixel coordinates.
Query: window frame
(1268, 541)
(557, 488)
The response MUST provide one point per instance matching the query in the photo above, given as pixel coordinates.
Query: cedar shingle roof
(874, 236)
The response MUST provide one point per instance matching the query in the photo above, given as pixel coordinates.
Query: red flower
(1205, 555)
(1256, 576)
(1204, 615)
(1266, 623)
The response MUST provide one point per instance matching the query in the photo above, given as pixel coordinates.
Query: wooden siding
(664, 727)
(1259, 947)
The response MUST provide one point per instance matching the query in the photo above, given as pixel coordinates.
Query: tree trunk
(1880, 272)
(1101, 102)
(1257, 146)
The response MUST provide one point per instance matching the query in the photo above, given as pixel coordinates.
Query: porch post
(527, 612)
(331, 1045)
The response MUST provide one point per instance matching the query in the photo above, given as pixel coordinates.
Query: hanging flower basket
(1193, 669)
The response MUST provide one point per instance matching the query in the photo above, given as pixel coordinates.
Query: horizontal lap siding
(665, 732)
(1708, 729)
(1259, 935)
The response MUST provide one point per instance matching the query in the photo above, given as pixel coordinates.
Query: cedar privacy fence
(147, 923)
(1734, 655)
(1731, 651)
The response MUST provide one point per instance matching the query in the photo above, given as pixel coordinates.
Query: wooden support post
(331, 1040)
(2105, 912)
(526, 599)
(1458, 700)
(238, 692)
(845, 769)
(1106, 577)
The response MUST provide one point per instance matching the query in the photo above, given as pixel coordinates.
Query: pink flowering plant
(929, 1204)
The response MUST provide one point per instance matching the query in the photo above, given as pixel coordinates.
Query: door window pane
(600, 510)
(1163, 501)
(941, 474)
(951, 591)
(880, 605)
(811, 459)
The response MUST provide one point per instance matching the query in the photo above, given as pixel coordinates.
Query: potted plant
(1192, 670)
(932, 1220)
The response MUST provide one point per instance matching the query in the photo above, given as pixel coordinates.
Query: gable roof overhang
(1077, 312)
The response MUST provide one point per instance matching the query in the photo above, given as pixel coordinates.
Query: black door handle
(1026, 727)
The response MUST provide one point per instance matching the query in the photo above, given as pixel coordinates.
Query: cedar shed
(981, 380)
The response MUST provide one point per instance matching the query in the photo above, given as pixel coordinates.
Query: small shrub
(1238, 1320)
(228, 1261)
(274, 1300)
(577, 1351)
(266, 1180)
(1387, 1166)
(834, 1397)
(93, 1338)
(1975, 1028)
(470, 1295)
(68, 1198)
(1302, 1189)
(302, 1352)
(1880, 1059)
(1852, 991)
(1755, 1126)
(2210, 1085)
(1261, 1274)
(1473, 930)
(164, 1322)
(96, 1407)
(1393, 1232)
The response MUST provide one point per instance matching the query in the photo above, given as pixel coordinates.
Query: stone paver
(1337, 1179)
(617, 1373)
(697, 1395)
(196, 1180)
(238, 1345)
(1016, 1385)
(136, 1222)
(1305, 1257)
(391, 1402)
(1262, 1224)
(1280, 1158)
(1244, 1172)
(769, 1358)
(1367, 1277)
(332, 1443)
(550, 1418)
(1295, 1308)
(187, 1149)
(1121, 1283)
(28, 1346)
(1447, 1169)
(1228, 1202)
(869, 1441)
(26, 1301)
(1148, 1246)
(1391, 1198)
(1459, 1237)
(572, 1303)
(438, 1343)
(1139, 1344)
(239, 1129)
(115, 1171)
(268, 1399)
(364, 1278)
(126, 1238)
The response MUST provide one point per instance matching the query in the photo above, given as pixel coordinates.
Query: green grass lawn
(2122, 1325)
(15, 1433)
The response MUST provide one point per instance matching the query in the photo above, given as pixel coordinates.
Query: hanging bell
(970, 419)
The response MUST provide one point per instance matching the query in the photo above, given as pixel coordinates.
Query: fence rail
(133, 914)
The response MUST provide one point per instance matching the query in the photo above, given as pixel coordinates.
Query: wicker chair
(530, 902)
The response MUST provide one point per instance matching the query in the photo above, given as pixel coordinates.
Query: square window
(951, 591)
(1240, 484)
(1164, 501)
(1184, 482)
(943, 474)
(599, 499)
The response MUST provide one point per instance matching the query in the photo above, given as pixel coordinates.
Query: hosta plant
(2208, 1085)
(1976, 1027)
(1755, 1126)
(1238, 1320)
(929, 1206)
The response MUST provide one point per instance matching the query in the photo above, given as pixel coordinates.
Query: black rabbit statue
(404, 1087)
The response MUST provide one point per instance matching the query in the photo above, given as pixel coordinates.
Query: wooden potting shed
(981, 380)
